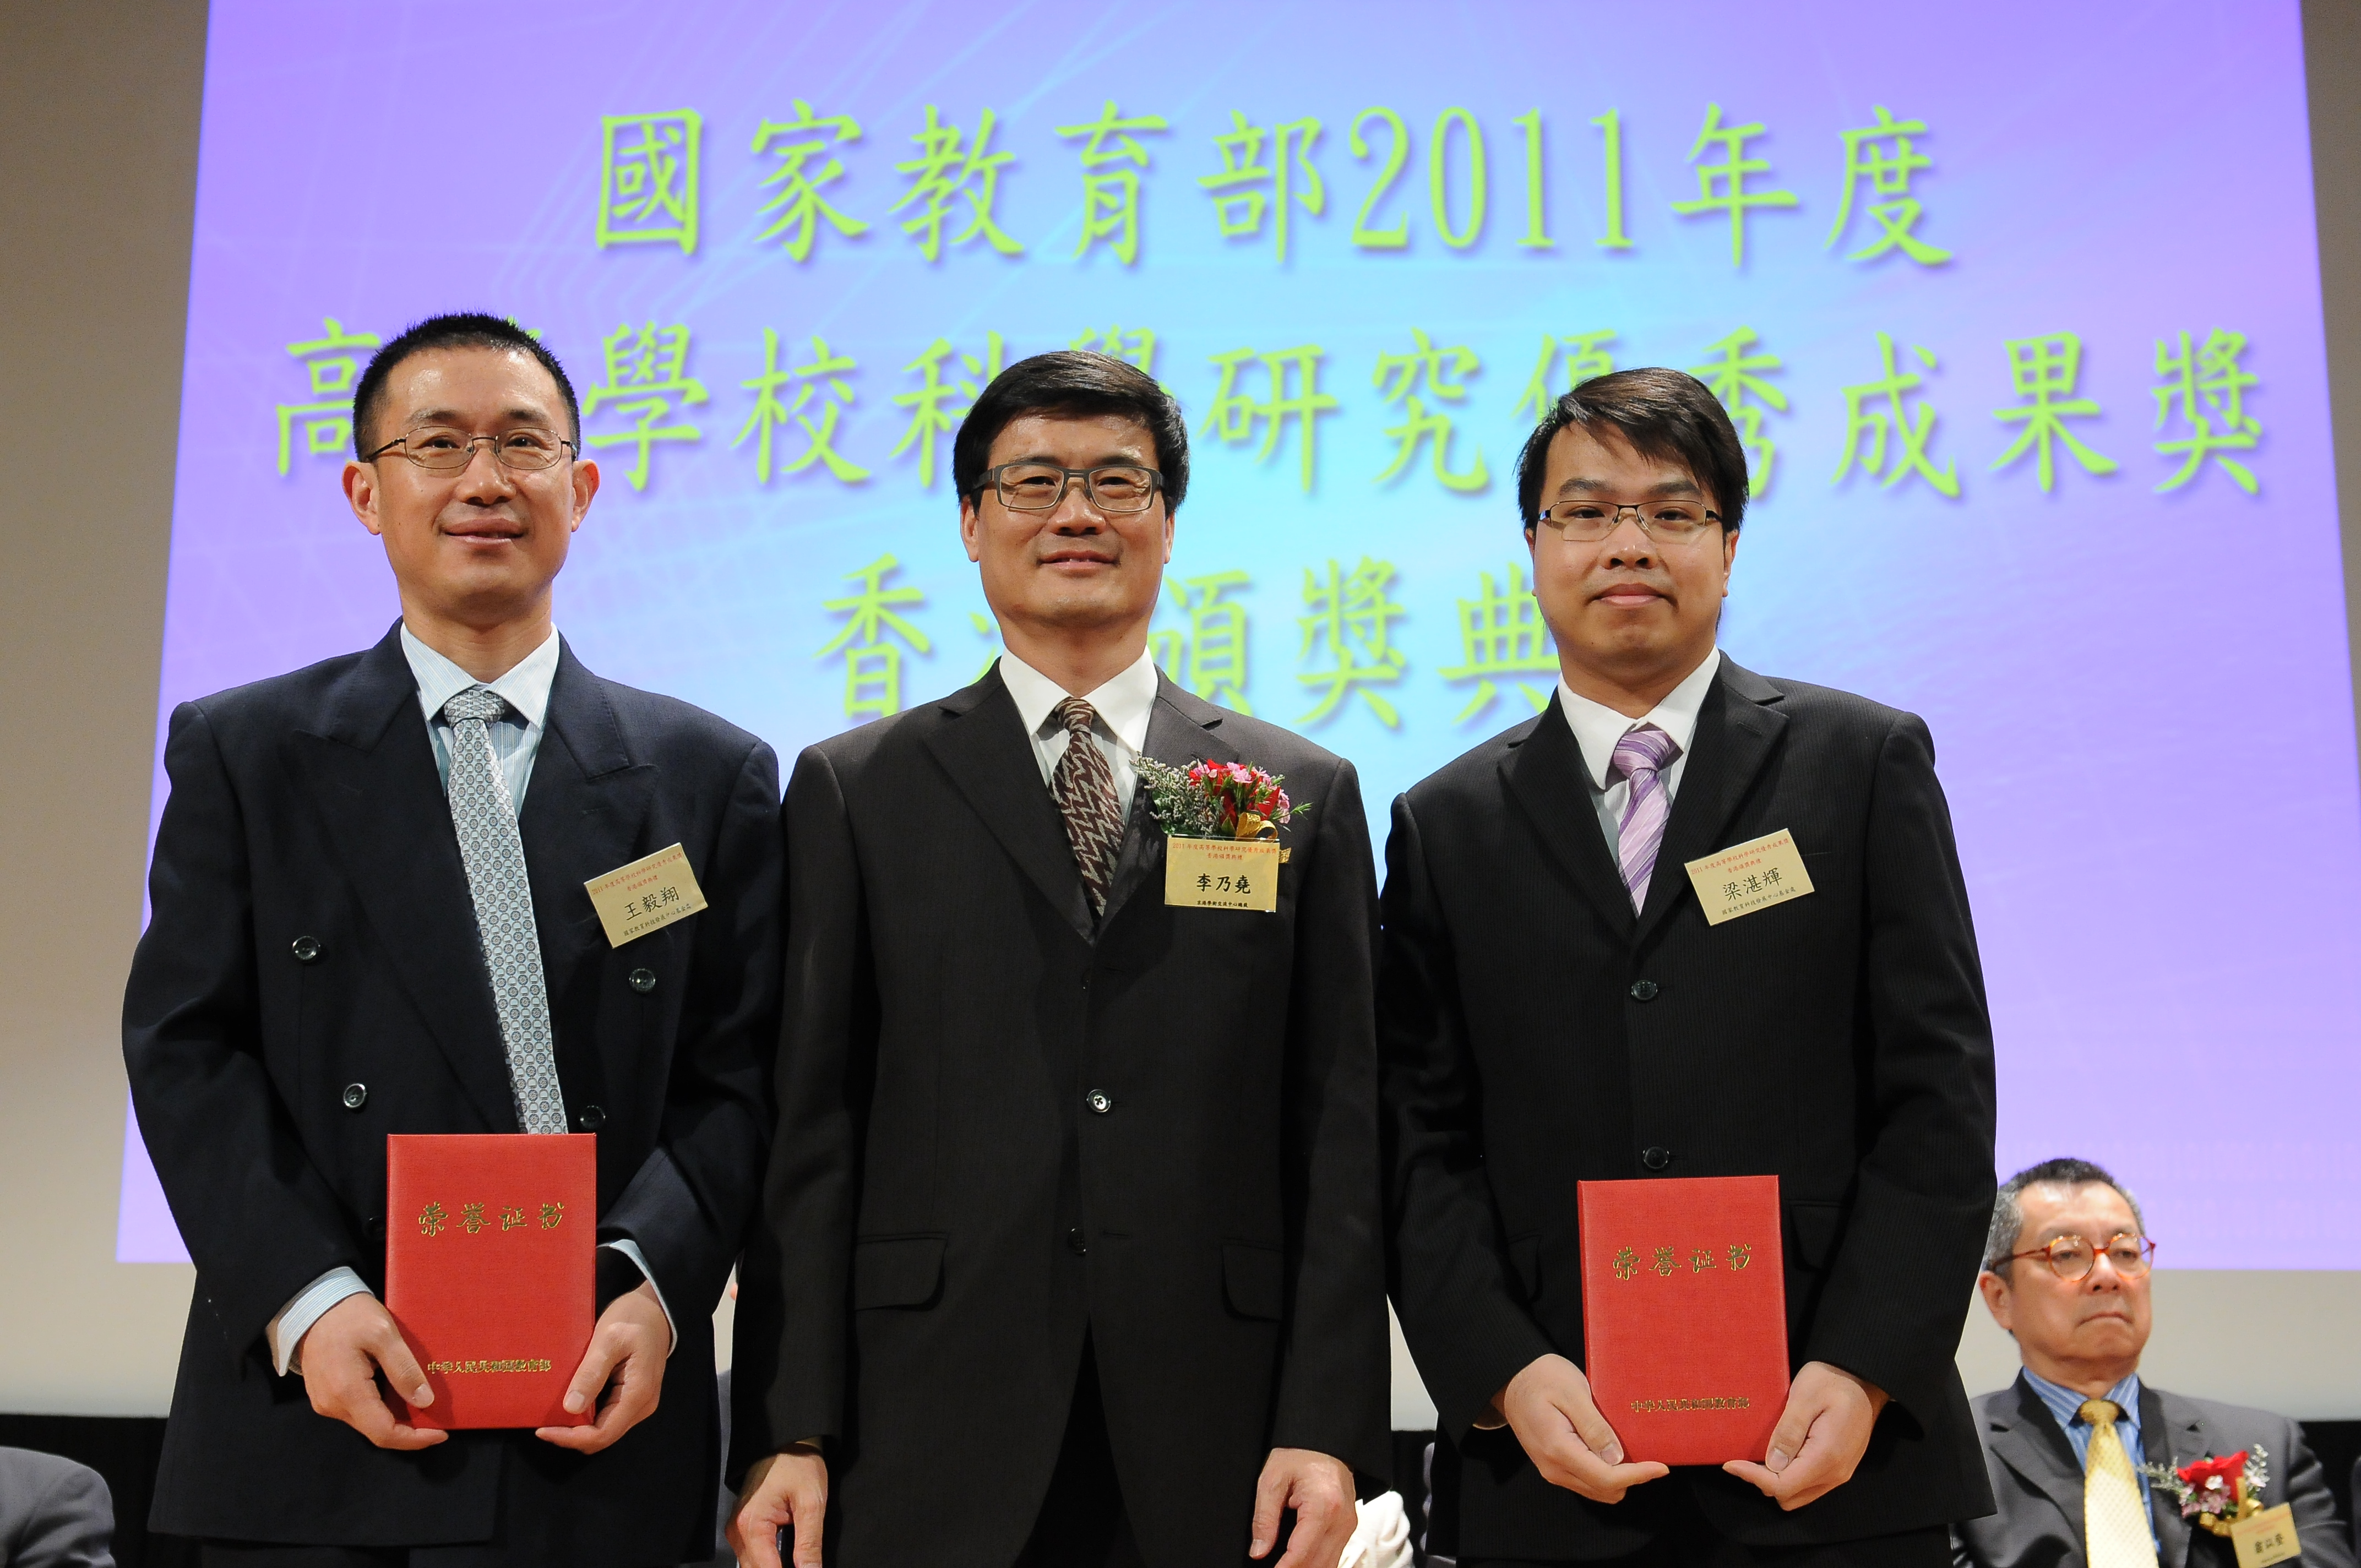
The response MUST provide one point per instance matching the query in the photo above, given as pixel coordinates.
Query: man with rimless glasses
(2079, 1447)
(370, 917)
(1570, 991)
(1069, 1251)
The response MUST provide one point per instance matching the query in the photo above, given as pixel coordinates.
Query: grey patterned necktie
(493, 851)
(1083, 786)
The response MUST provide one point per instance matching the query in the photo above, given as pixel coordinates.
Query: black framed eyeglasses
(2071, 1258)
(1667, 522)
(1113, 488)
(440, 449)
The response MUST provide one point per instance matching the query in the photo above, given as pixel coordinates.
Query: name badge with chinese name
(646, 895)
(1749, 876)
(2263, 1539)
(1222, 874)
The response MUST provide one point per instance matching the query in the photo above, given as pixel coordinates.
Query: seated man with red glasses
(2089, 1465)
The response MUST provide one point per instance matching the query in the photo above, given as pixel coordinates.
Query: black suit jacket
(1839, 1041)
(2038, 1483)
(308, 807)
(943, 1155)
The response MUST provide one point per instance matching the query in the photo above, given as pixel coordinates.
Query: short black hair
(2008, 1214)
(459, 329)
(1668, 415)
(1074, 381)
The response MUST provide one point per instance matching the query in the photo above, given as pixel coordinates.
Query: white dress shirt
(1597, 728)
(1122, 705)
(515, 743)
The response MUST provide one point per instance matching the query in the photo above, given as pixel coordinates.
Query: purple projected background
(2140, 697)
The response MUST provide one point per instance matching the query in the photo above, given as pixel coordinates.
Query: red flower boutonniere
(1218, 800)
(2216, 1493)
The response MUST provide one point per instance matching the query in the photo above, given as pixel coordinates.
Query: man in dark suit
(1071, 1251)
(370, 917)
(2078, 1448)
(1554, 1006)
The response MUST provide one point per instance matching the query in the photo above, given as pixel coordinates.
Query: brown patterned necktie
(1084, 787)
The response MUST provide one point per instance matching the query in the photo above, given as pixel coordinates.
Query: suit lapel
(585, 812)
(1736, 730)
(983, 747)
(1546, 776)
(371, 771)
(2170, 1433)
(2027, 1440)
(1181, 729)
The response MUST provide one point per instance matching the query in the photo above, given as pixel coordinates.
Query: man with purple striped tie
(1557, 1003)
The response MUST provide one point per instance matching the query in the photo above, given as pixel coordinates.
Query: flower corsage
(1218, 800)
(2216, 1493)
(1221, 823)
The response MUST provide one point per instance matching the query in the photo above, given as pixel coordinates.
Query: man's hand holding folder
(1549, 1407)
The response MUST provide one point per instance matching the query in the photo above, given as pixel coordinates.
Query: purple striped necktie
(1641, 756)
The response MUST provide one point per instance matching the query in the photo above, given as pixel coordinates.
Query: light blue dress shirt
(516, 740)
(516, 735)
(2066, 1404)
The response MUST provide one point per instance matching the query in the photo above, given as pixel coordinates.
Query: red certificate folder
(490, 1245)
(1684, 1314)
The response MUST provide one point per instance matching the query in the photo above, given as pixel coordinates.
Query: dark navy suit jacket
(306, 818)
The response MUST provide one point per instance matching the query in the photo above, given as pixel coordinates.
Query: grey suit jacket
(53, 1513)
(2038, 1483)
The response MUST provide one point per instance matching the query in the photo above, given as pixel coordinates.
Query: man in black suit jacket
(2066, 1273)
(1071, 1252)
(313, 980)
(1555, 1007)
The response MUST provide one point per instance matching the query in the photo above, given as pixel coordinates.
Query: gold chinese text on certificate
(646, 895)
(1749, 876)
(1222, 874)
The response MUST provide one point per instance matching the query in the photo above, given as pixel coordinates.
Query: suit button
(1074, 1239)
(1655, 1157)
(305, 948)
(1643, 991)
(375, 1227)
(643, 981)
(592, 1118)
(1097, 1100)
(355, 1096)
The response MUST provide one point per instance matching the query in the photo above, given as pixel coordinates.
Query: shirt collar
(1123, 704)
(2066, 1404)
(525, 687)
(1598, 726)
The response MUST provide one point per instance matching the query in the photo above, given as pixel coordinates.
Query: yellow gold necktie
(2114, 1525)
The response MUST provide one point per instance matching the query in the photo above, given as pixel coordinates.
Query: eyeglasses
(1667, 523)
(442, 450)
(1113, 488)
(2071, 1258)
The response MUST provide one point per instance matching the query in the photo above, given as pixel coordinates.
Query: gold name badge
(2263, 1539)
(1749, 876)
(646, 895)
(1222, 874)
